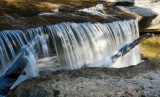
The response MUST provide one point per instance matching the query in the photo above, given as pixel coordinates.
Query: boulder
(133, 81)
(148, 15)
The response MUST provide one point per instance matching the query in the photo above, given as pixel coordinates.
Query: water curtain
(92, 45)
(76, 44)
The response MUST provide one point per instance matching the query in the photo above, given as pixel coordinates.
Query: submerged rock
(140, 80)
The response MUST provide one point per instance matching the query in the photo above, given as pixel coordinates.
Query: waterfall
(92, 45)
(10, 42)
(14, 42)
(39, 33)
(77, 45)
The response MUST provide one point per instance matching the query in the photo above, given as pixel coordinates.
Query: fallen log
(12, 74)
(16, 69)
(125, 49)
(128, 47)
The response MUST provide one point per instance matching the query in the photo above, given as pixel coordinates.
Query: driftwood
(12, 74)
(125, 49)
(16, 69)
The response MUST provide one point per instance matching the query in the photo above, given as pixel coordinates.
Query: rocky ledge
(134, 81)
(22, 14)
(147, 13)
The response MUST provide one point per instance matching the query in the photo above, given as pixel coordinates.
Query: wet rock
(93, 82)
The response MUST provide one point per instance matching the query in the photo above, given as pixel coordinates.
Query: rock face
(26, 14)
(133, 81)
(147, 13)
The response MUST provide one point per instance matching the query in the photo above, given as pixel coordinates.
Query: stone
(143, 79)
(147, 13)
(27, 14)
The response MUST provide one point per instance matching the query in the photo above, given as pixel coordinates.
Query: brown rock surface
(147, 12)
(140, 80)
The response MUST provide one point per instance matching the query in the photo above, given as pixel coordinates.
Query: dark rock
(67, 9)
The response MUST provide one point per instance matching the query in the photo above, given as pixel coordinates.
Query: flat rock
(147, 13)
(18, 15)
(133, 81)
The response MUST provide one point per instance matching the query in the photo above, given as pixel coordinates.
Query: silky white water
(86, 44)
(31, 70)
(13, 42)
(77, 45)
(99, 9)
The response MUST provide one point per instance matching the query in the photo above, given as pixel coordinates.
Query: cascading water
(9, 44)
(77, 45)
(31, 69)
(39, 33)
(13, 42)
(97, 10)
(80, 44)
